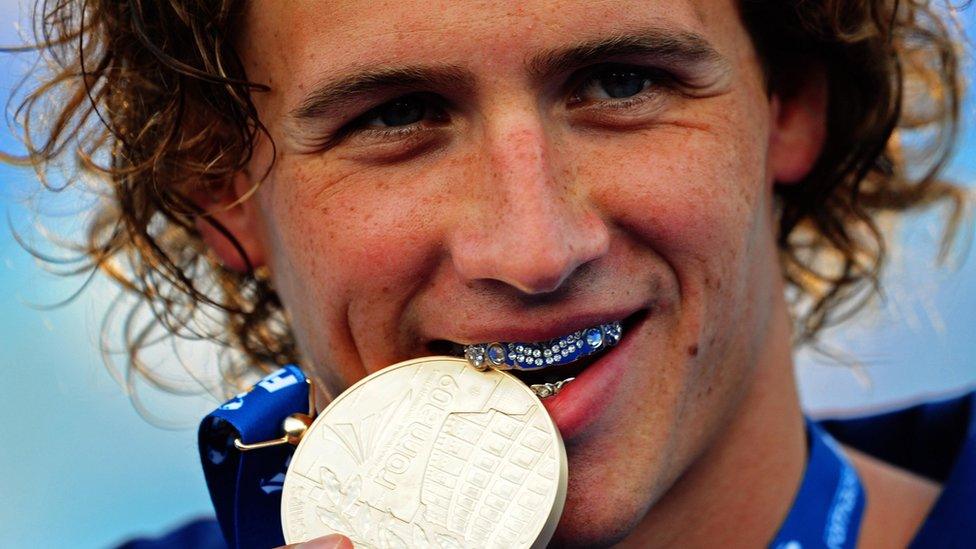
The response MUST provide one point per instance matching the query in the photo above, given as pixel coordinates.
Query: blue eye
(615, 82)
(621, 84)
(402, 112)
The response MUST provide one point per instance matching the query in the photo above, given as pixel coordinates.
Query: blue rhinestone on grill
(594, 337)
(496, 354)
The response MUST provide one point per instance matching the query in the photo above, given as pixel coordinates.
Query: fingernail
(332, 541)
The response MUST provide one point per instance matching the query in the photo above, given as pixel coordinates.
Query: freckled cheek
(689, 201)
(358, 232)
(682, 199)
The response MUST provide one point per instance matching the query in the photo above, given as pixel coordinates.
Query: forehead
(304, 37)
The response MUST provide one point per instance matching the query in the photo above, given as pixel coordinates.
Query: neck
(742, 486)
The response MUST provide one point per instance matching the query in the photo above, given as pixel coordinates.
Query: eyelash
(658, 80)
(397, 132)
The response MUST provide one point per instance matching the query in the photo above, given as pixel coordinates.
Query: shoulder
(926, 438)
(935, 440)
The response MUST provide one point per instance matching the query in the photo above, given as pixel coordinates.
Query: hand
(332, 541)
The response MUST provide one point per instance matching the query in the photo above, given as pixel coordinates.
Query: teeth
(543, 354)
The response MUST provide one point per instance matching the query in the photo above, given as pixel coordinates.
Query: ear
(798, 108)
(229, 225)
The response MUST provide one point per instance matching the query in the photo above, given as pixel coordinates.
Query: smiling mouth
(546, 366)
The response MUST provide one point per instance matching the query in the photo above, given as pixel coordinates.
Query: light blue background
(79, 467)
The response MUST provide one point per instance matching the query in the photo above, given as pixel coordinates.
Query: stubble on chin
(603, 506)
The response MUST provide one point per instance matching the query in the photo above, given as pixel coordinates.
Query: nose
(530, 225)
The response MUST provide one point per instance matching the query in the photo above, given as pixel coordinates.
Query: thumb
(332, 541)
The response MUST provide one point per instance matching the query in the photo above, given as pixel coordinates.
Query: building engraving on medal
(440, 456)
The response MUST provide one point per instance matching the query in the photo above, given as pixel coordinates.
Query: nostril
(526, 267)
(537, 283)
(541, 271)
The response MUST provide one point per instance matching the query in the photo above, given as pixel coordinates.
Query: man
(410, 178)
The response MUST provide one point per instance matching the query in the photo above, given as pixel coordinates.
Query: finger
(332, 541)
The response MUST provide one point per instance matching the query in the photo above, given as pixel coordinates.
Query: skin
(528, 202)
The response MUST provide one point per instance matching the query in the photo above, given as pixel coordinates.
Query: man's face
(465, 172)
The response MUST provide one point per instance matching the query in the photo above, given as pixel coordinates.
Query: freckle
(385, 290)
(693, 350)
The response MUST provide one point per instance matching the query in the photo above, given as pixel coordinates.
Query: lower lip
(582, 401)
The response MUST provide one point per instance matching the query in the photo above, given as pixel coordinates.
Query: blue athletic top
(936, 440)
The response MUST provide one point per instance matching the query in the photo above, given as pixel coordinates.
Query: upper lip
(511, 329)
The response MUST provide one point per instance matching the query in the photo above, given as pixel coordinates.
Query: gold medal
(429, 453)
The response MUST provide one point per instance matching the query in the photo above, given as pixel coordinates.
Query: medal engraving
(429, 453)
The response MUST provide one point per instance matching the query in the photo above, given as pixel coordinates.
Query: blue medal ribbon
(829, 506)
(246, 486)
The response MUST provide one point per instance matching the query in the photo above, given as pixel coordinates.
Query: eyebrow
(682, 49)
(333, 96)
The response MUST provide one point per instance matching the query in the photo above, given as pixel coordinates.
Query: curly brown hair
(148, 95)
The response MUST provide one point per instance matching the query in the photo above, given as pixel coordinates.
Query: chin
(592, 522)
(602, 506)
